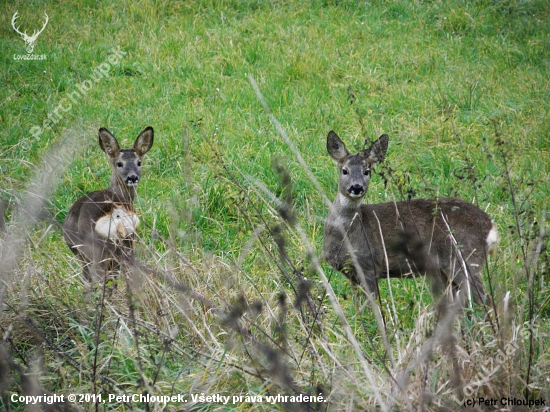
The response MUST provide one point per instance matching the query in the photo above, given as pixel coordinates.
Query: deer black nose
(132, 179)
(356, 190)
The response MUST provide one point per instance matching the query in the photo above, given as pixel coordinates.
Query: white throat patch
(347, 202)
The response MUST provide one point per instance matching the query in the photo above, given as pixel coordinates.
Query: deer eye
(345, 171)
(120, 164)
(367, 172)
(139, 163)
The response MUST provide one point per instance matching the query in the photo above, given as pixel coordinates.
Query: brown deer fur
(100, 227)
(352, 226)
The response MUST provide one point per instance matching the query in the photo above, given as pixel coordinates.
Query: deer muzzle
(132, 180)
(356, 190)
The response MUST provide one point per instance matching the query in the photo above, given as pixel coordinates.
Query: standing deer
(358, 238)
(100, 227)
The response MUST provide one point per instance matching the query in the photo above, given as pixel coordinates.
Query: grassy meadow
(229, 297)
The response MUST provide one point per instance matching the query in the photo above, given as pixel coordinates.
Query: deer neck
(125, 193)
(344, 210)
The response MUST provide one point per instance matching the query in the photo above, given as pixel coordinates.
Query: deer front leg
(365, 278)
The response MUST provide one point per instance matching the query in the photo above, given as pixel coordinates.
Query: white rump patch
(492, 240)
(117, 225)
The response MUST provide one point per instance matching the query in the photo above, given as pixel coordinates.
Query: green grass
(462, 89)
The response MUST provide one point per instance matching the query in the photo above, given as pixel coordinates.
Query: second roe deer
(358, 237)
(100, 227)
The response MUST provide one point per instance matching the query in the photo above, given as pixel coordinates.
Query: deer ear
(377, 151)
(108, 142)
(144, 141)
(336, 147)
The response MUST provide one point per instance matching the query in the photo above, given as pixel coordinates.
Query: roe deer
(100, 227)
(458, 235)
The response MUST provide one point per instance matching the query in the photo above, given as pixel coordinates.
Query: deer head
(29, 40)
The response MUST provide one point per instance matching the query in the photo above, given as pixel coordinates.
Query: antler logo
(29, 40)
